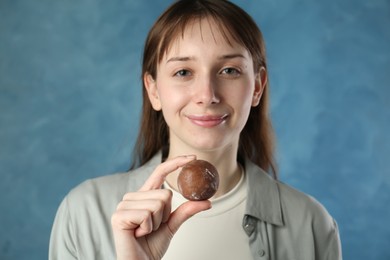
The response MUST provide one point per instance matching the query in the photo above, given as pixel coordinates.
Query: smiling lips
(207, 120)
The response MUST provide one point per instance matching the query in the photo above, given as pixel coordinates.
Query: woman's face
(205, 88)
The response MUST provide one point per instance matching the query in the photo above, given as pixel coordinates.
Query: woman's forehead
(204, 30)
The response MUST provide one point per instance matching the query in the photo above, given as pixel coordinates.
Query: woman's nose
(205, 91)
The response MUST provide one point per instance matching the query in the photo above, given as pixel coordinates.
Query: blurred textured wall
(70, 98)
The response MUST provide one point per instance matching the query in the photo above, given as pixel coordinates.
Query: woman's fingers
(164, 197)
(143, 212)
(158, 176)
(159, 209)
(126, 220)
(162, 194)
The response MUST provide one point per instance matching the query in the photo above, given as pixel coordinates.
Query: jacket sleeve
(62, 239)
(326, 237)
(332, 246)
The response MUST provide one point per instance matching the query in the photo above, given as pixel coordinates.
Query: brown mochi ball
(198, 180)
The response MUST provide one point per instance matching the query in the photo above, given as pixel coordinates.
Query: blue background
(70, 96)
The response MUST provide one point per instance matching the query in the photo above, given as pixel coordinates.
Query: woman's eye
(231, 71)
(183, 73)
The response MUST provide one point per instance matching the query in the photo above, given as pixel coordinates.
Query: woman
(205, 96)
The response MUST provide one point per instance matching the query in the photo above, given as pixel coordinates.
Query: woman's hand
(143, 224)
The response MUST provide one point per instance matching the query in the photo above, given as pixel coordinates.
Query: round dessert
(198, 180)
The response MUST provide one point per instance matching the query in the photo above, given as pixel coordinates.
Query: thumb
(186, 211)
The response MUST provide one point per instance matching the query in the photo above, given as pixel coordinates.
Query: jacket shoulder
(298, 206)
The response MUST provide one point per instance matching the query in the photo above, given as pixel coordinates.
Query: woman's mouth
(207, 120)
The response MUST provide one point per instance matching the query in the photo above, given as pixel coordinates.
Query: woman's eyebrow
(179, 58)
(231, 56)
(222, 57)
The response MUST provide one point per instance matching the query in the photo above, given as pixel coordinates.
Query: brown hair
(256, 139)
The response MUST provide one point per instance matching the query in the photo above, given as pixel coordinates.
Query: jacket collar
(263, 201)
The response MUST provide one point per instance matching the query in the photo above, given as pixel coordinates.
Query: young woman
(205, 96)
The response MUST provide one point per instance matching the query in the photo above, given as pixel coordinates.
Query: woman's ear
(260, 82)
(151, 88)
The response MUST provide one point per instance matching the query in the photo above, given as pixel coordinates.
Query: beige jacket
(281, 222)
